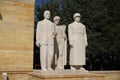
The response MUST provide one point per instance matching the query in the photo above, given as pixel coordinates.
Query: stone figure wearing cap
(78, 42)
(45, 40)
(61, 44)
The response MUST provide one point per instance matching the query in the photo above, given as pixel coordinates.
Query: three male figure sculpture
(47, 31)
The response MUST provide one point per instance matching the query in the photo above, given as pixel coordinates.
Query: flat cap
(56, 18)
(77, 15)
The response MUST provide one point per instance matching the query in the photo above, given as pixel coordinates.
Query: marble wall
(16, 35)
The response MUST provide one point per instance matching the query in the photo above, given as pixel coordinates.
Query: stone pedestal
(65, 75)
(110, 75)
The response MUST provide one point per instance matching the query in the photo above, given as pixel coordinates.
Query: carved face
(47, 15)
(57, 21)
(77, 18)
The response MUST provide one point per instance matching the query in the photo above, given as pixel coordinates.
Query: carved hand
(86, 44)
(71, 44)
(38, 44)
(54, 33)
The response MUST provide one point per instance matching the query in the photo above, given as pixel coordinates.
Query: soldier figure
(78, 43)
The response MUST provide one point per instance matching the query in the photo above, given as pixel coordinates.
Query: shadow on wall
(1, 17)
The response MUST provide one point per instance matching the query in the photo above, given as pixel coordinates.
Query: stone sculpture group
(52, 41)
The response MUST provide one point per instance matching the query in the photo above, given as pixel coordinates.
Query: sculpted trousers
(43, 56)
(46, 56)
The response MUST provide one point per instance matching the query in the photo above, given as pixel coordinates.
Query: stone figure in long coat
(60, 44)
(45, 40)
(78, 42)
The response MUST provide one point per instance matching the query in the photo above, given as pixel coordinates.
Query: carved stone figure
(78, 43)
(45, 40)
(61, 43)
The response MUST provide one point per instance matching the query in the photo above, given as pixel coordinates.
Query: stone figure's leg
(50, 56)
(60, 60)
(59, 63)
(43, 56)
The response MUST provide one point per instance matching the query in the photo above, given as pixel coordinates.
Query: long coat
(78, 40)
(44, 35)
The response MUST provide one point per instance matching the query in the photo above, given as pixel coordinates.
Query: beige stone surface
(16, 75)
(25, 1)
(74, 75)
(65, 75)
(110, 75)
(62, 75)
(16, 34)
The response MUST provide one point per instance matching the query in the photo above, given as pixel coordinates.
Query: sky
(39, 2)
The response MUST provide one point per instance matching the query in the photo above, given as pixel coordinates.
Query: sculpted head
(56, 20)
(47, 14)
(77, 17)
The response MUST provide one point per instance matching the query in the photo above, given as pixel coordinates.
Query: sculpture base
(65, 75)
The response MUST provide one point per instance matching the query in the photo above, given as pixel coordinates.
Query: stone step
(65, 75)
